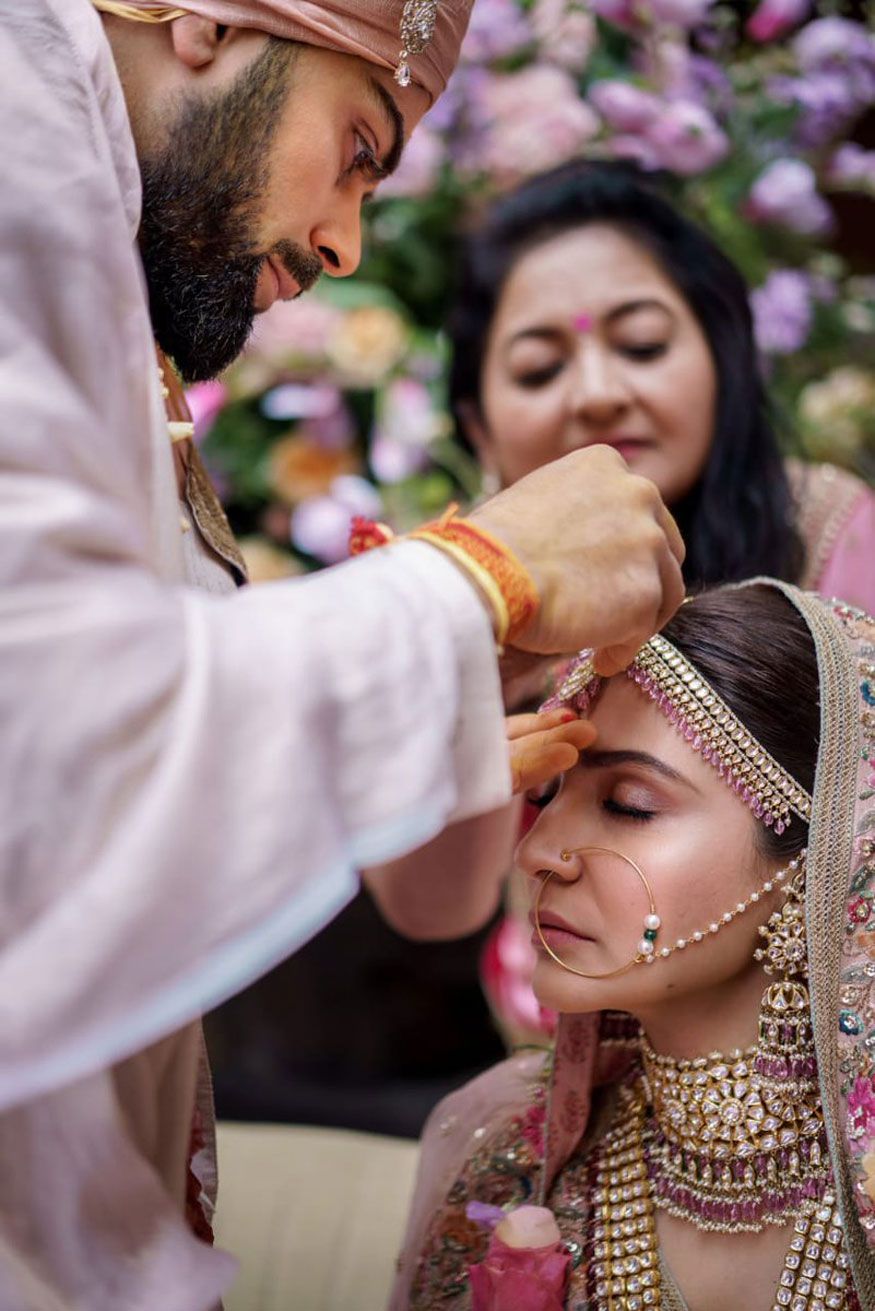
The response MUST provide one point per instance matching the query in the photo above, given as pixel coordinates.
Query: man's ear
(195, 40)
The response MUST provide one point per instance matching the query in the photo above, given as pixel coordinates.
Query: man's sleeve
(187, 783)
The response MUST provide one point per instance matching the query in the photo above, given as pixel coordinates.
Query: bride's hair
(738, 520)
(755, 649)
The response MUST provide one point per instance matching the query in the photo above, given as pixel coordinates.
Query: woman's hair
(754, 648)
(738, 520)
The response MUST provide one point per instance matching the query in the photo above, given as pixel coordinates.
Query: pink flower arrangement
(786, 193)
(624, 106)
(774, 18)
(687, 139)
(565, 31)
(320, 525)
(536, 119)
(782, 312)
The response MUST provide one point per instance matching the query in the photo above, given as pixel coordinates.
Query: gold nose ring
(652, 922)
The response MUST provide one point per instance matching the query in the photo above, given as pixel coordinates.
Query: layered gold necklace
(728, 1150)
(701, 1140)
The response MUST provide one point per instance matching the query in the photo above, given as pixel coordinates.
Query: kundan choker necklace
(621, 1245)
(728, 1149)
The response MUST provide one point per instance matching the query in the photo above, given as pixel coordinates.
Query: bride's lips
(555, 928)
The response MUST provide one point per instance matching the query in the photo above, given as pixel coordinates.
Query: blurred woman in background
(589, 309)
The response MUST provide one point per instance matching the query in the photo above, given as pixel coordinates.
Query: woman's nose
(540, 852)
(599, 393)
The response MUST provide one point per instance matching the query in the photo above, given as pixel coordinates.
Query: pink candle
(526, 1267)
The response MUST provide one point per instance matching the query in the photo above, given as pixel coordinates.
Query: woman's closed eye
(644, 351)
(533, 378)
(621, 810)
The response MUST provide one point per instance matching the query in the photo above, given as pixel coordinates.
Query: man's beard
(201, 202)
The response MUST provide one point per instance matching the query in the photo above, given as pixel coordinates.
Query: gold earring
(785, 1050)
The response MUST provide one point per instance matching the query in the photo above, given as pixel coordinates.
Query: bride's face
(643, 792)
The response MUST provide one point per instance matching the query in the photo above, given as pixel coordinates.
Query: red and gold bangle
(506, 583)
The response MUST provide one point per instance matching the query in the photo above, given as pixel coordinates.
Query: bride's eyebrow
(590, 759)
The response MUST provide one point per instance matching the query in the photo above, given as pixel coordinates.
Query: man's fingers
(518, 726)
(666, 521)
(538, 757)
(530, 767)
(673, 589)
(610, 660)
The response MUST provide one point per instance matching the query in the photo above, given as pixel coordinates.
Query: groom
(190, 779)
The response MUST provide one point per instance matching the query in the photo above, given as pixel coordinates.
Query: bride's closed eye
(623, 811)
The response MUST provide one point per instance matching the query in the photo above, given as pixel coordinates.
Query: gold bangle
(480, 575)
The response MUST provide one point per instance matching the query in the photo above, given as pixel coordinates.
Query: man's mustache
(302, 265)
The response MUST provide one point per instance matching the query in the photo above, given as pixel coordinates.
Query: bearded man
(191, 778)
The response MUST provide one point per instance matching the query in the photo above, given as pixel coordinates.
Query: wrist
(504, 585)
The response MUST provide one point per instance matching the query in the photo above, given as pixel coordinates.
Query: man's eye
(366, 162)
(542, 796)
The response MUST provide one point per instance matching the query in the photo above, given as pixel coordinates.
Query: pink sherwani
(188, 781)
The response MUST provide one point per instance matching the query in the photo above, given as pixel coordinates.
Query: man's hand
(604, 552)
(542, 746)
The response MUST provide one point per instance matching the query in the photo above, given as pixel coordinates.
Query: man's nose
(338, 240)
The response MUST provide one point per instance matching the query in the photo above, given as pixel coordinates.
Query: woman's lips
(555, 930)
(628, 447)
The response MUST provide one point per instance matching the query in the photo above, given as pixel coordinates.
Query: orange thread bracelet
(506, 583)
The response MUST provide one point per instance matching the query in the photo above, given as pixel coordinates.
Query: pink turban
(370, 29)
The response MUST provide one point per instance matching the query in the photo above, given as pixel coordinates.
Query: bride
(703, 906)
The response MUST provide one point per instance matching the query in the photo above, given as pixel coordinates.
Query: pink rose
(772, 18)
(678, 13)
(623, 106)
(536, 119)
(687, 139)
(520, 1278)
(786, 193)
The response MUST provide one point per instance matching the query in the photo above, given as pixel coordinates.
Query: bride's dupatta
(503, 1139)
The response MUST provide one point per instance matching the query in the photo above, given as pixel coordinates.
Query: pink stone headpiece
(706, 722)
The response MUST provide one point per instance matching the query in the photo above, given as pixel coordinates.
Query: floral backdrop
(756, 117)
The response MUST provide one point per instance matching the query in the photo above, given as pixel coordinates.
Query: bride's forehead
(627, 720)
